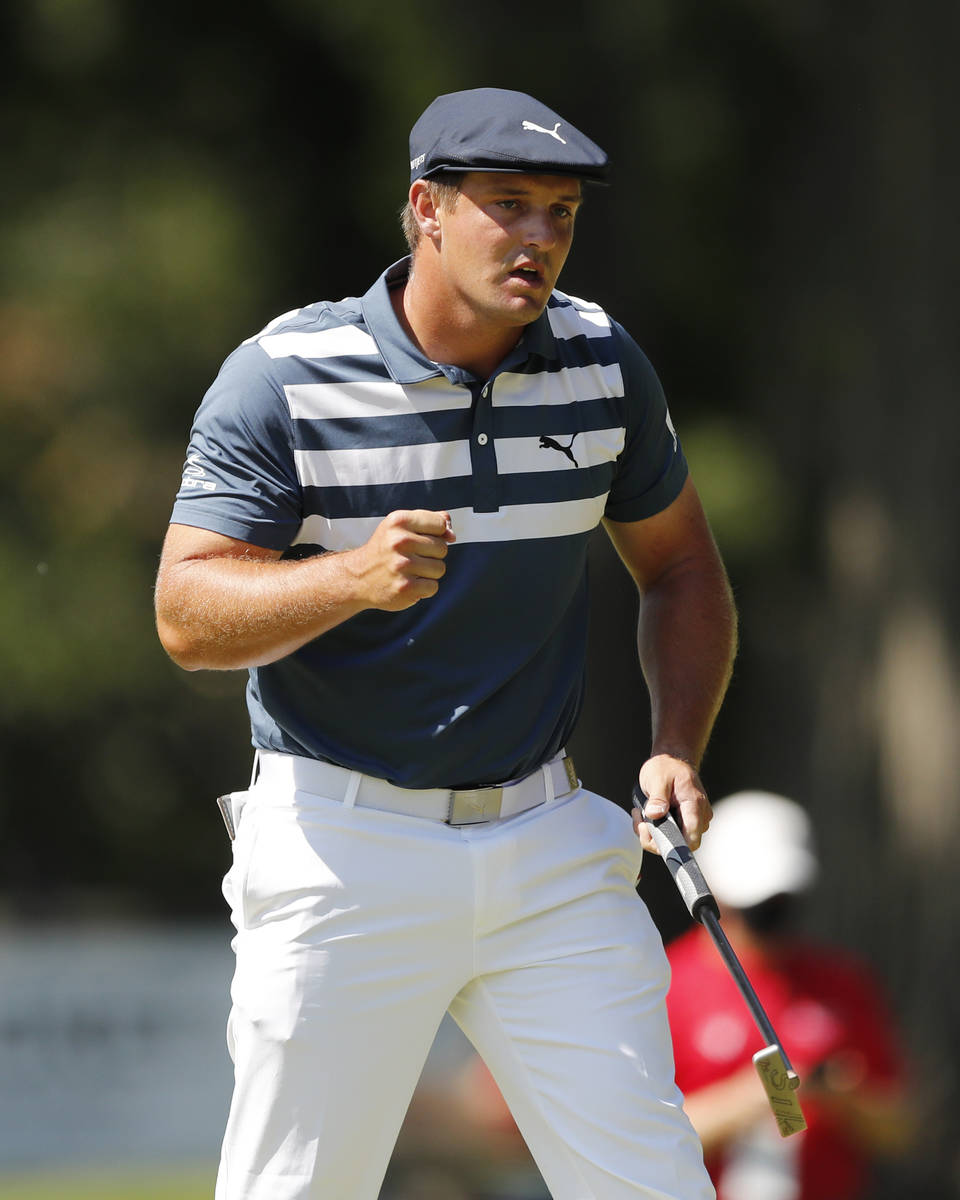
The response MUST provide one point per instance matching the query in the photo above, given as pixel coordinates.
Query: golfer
(384, 519)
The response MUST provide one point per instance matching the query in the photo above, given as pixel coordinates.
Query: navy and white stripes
(329, 419)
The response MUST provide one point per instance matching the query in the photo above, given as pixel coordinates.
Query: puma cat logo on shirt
(547, 443)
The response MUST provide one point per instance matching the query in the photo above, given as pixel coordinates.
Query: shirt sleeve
(652, 469)
(240, 477)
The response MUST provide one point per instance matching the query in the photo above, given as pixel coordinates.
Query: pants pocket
(234, 889)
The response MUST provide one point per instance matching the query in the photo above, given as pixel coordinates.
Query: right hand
(672, 784)
(403, 561)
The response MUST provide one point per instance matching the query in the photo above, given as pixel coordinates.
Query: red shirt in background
(822, 1003)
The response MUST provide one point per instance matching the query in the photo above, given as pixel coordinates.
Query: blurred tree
(857, 362)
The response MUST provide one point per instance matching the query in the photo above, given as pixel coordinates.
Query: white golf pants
(357, 929)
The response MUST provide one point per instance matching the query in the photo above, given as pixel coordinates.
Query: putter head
(780, 1082)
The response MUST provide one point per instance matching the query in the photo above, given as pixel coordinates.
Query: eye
(508, 204)
(561, 210)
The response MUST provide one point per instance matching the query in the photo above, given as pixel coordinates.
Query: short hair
(444, 188)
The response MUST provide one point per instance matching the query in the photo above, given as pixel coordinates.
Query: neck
(446, 330)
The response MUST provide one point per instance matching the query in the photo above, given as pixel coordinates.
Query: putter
(780, 1081)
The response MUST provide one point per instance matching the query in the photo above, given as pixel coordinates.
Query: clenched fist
(403, 561)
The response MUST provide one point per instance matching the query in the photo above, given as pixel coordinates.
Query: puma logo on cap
(533, 128)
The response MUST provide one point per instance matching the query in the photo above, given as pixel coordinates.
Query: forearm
(226, 613)
(727, 1109)
(224, 604)
(687, 637)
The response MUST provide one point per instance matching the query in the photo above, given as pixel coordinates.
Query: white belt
(461, 806)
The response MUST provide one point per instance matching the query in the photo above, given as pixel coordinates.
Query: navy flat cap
(491, 129)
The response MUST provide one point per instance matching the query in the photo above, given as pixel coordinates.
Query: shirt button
(481, 439)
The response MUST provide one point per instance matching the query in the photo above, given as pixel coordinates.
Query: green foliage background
(779, 238)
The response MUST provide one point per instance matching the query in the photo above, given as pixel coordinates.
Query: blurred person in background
(826, 1005)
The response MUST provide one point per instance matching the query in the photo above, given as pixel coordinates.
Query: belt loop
(353, 786)
(548, 788)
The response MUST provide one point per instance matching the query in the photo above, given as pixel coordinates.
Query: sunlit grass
(148, 1184)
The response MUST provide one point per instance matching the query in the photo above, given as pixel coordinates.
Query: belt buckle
(571, 772)
(473, 806)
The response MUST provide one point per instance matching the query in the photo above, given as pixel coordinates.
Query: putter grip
(682, 866)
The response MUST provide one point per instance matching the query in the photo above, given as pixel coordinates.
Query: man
(384, 518)
(827, 1007)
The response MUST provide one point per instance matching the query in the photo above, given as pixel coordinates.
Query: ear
(424, 208)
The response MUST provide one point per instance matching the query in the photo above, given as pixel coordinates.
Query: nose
(540, 231)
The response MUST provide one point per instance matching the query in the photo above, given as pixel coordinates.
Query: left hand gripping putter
(780, 1081)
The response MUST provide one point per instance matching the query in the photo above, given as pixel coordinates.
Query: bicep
(197, 596)
(187, 550)
(186, 543)
(191, 582)
(655, 546)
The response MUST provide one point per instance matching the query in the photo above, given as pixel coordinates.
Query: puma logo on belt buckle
(472, 806)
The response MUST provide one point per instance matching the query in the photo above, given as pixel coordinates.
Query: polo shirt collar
(405, 362)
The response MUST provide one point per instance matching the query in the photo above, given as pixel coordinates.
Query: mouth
(528, 274)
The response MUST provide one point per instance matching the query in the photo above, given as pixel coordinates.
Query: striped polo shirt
(329, 419)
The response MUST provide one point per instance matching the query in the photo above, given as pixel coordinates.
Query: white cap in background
(758, 845)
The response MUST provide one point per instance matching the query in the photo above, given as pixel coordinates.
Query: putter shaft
(711, 922)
